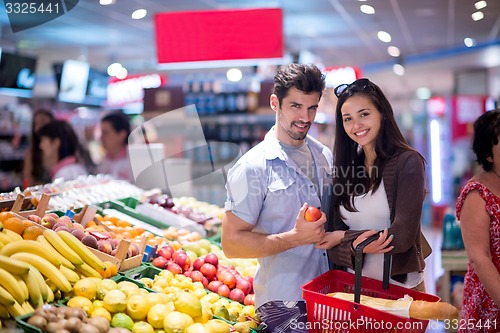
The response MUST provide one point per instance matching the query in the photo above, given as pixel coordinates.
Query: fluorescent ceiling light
(114, 69)
(384, 36)
(234, 75)
(480, 5)
(398, 69)
(393, 51)
(437, 193)
(423, 93)
(122, 74)
(139, 13)
(477, 16)
(469, 42)
(367, 9)
(106, 2)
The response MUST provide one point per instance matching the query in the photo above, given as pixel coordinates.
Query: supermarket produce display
(91, 261)
(81, 259)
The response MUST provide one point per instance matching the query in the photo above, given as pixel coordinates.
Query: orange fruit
(28, 223)
(111, 268)
(6, 215)
(32, 232)
(14, 224)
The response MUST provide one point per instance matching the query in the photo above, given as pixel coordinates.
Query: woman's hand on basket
(380, 245)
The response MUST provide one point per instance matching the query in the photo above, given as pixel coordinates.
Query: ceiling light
(234, 75)
(398, 69)
(393, 51)
(106, 2)
(469, 42)
(384, 36)
(139, 13)
(480, 5)
(122, 74)
(114, 69)
(367, 9)
(477, 16)
(424, 93)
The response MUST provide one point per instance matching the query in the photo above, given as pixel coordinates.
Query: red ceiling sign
(219, 35)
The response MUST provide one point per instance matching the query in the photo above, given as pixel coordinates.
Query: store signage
(335, 76)
(464, 112)
(131, 89)
(234, 34)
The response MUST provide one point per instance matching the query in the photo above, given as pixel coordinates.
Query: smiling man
(272, 185)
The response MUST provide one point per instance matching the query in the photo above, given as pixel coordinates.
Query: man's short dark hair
(486, 132)
(306, 78)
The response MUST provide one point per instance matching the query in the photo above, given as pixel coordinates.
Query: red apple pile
(222, 280)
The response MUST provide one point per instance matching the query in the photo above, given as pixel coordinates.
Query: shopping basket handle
(358, 266)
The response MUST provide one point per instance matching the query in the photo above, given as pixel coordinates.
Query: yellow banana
(22, 286)
(13, 266)
(16, 310)
(62, 247)
(9, 282)
(4, 314)
(1, 226)
(71, 275)
(88, 271)
(33, 287)
(82, 251)
(27, 307)
(50, 294)
(12, 235)
(5, 297)
(46, 268)
(4, 238)
(42, 286)
(29, 246)
(50, 249)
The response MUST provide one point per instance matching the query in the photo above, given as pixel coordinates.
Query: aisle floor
(433, 270)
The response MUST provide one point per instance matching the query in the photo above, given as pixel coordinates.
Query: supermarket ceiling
(334, 30)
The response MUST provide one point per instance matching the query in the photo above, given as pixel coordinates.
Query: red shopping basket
(329, 314)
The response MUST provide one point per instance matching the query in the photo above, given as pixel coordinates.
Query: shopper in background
(271, 186)
(59, 145)
(33, 171)
(115, 130)
(478, 209)
(378, 183)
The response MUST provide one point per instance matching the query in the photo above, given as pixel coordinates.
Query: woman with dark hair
(115, 129)
(33, 171)
(59, 146)
(478, 209)
(379, 183)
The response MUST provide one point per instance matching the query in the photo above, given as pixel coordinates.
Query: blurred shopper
(478, 209)
(270, 188)
(33, 171)
(378, 183)
(59, 145)
(115, 130)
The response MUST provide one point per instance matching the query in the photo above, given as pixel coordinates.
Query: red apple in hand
(312, 214)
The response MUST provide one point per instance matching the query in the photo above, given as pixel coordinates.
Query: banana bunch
(31, 272)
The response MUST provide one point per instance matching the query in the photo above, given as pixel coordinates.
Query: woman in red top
(478, 209)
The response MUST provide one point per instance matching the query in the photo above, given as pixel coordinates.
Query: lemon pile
(126, 305)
